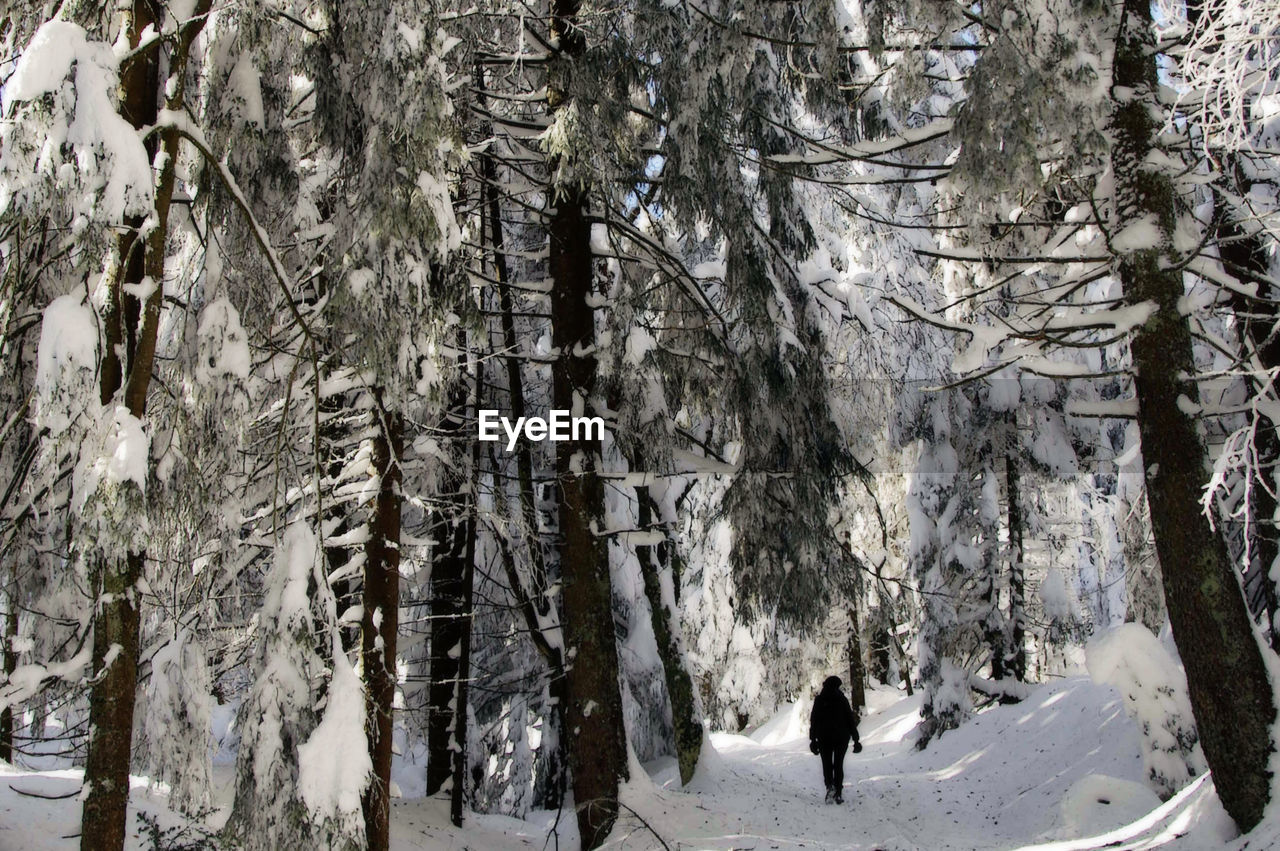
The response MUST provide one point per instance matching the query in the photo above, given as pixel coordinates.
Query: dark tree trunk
(857, 670)
(128, 356)
(448, 597)
(458, 798)
(686, 724)
(1226, 677)
(379, 624)
(997, 640)
(889, 629)
(880, 655)
(111, 704)
(10, 665)
(593, 718)
(1015, 660)
(595, 737)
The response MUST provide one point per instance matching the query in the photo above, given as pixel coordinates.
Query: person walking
(832, 723)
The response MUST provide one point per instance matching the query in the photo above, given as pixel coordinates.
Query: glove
(857, 747)
(813, 746)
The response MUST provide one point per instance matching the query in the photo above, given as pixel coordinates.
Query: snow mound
(1097, 803)
(1132, 659)
(711, 765)
(790, 723)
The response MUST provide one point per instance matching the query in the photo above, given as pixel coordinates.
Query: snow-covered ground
(1061, 770)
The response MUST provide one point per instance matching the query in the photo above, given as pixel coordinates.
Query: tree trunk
(879, 652)
(379, 624)
(857, 670)
(10, 665)
(458, 796)
(593, 718)
(128, 356)
(448, 593)
(1015, 660)
(596, 740)
(448, 577)
(685, 721)
(111, 704)
(1226, 677)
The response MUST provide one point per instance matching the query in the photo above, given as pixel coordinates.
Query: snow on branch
(1231, 64)
(173, 120)
(122, 173)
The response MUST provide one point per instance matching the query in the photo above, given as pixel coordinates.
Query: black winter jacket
(832, 722)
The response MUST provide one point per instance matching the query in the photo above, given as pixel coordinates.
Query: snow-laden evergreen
(935, 347)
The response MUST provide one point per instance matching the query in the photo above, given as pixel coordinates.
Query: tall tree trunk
(129, 354)
(593, 718)
(458, 796)
(596, 739)
(1227, 681)
(1015, 660)
(685, 721)
(379, 623)
(448, 593)
(995, 636)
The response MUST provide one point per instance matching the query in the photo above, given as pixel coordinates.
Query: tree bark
(10, 665)
(515, 379)
(448, 592)
(128, 357)
(685, 721)
(857, 670)
(458, 796)
(596, 740)
(379, 624)
(111, 704)
(593, 718)
(1015, 660)
(1227, 682)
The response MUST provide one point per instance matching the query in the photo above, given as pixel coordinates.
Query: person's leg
(837, 771)
(826, 755)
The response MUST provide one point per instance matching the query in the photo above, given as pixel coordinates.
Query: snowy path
(998, 782)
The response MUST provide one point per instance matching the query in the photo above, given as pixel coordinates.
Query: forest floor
(1061, 770)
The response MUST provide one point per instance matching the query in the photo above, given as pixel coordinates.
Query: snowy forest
(935, 345)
